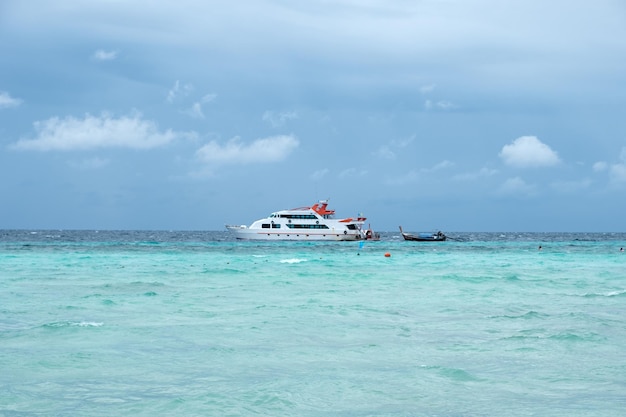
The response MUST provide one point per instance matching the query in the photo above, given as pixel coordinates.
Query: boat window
(275, 226)
(298, 216)
(307, 226)
(265, 226)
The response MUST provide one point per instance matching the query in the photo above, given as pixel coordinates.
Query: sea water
(199, 324)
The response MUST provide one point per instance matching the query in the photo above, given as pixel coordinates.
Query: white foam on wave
(60, 324)
(88, 324)
(616, 293)
(292, 261)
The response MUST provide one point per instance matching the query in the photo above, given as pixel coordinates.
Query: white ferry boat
(304, 223)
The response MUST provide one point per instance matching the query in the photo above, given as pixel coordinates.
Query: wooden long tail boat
(424, 237)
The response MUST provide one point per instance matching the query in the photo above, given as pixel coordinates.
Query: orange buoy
(387, 255)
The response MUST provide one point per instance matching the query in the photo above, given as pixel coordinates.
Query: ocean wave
(454, 374)
(292, 261)
(62, 324)
(576, 337)
(617, 293)
(566, 337)
(526, 316)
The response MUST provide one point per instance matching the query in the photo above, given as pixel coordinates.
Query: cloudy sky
(459, 115)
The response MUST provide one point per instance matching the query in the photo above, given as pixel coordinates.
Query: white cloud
(319, 174)
(207, 98)
(279, 119)
(271, 149)
(528, 151)
(439, 105)
(105, 131)
(617, 171)
(387, 151)
(195, 111)
(102, 55)
(179, 90)
(600, 166)
(517, 187)
(196, 108)
(7, 101)
(437, 167)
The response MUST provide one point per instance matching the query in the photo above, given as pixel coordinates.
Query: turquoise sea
(116, 323)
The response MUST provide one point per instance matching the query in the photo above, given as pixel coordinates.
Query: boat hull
(245, 233)
(423, 237)
(413, 238)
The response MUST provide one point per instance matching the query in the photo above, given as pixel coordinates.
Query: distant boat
(371, 235)
(424, 237)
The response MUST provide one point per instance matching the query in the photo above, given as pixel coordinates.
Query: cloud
(600, 166)
(617, 171)
(7, 101)
(517, 187)
(195, 110)
(279, 119)
(91, 132)
(102, 55)
(319, 174)
(437, 167)
(266, 150)
(179, 90)
(528, 151)
(179, 93)
(439, 105)
(387, 152)
(207, 98)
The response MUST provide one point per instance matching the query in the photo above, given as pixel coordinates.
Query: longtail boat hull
(424, 237)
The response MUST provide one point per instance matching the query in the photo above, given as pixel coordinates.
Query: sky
(453, 115)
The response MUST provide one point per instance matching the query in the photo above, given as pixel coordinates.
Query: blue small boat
(424, 237)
